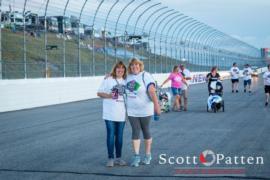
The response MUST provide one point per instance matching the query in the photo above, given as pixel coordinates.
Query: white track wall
(31, 93)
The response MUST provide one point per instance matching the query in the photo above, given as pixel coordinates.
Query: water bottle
(156, 117)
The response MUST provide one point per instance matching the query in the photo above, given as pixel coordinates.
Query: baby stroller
(215, 101)
(164, 100)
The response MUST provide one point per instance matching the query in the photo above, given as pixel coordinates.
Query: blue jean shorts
(247, 82)
(176, 91)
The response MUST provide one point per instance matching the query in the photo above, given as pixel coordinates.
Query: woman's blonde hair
(135, 61)
(118, 65)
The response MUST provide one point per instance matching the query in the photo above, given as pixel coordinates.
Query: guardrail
(31, 93)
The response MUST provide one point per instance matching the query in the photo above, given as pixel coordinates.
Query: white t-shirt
(138, 102)
(247, 73)
(266, 77)
(234, 72)
(186, 73)
(113, 109)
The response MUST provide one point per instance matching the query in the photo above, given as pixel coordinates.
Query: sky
(247, 20)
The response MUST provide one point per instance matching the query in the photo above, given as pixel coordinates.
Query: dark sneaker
(266, 104)
(236, 91)
(245, 90)
(110, 163)
(232, 91)
(249, 91)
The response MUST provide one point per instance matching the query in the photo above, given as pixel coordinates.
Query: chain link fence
(74, 38)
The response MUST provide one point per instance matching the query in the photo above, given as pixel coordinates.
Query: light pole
(182, 41)
(115, 30)
(197, 45)
(79, 40)
(24, 42)
(188, 39)
(181, 25)
(139, 17)
(1, 70)
(149, 34)
(144, 25)
(105, 37)
(64, 39)
(214, 54)
(181, 30)
(127, 22)
(200, 46)
(45, 39)
(155, 36)
(176, 23)
(174, 19)
(93, 40)
(207, 47)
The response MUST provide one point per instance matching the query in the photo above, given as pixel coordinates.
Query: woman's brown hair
(175, 69)
(214, 68)
(135, 61)
(118, 65)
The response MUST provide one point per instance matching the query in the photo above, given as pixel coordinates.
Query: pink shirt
(176, 79)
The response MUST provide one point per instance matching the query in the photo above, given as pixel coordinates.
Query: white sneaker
(110, 163)
(136, 161)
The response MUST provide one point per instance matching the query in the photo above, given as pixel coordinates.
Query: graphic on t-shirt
(235, 70)
(177, 79)
(133, 86)
(117, 90)
(246, 72)
(268, 76)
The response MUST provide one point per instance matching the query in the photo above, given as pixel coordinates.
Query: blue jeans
(114, 137)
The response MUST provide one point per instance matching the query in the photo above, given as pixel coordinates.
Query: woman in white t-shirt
(235, 72)
(142, 103)
(247, 71)
(266, 77)
(114, 112)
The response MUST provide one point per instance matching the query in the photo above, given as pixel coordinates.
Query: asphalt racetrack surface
(68, 141)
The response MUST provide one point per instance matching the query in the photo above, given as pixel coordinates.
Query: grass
(13, 57)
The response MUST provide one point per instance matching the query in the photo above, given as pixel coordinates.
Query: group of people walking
(235, 75)
(129, 93)
(247, 77)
